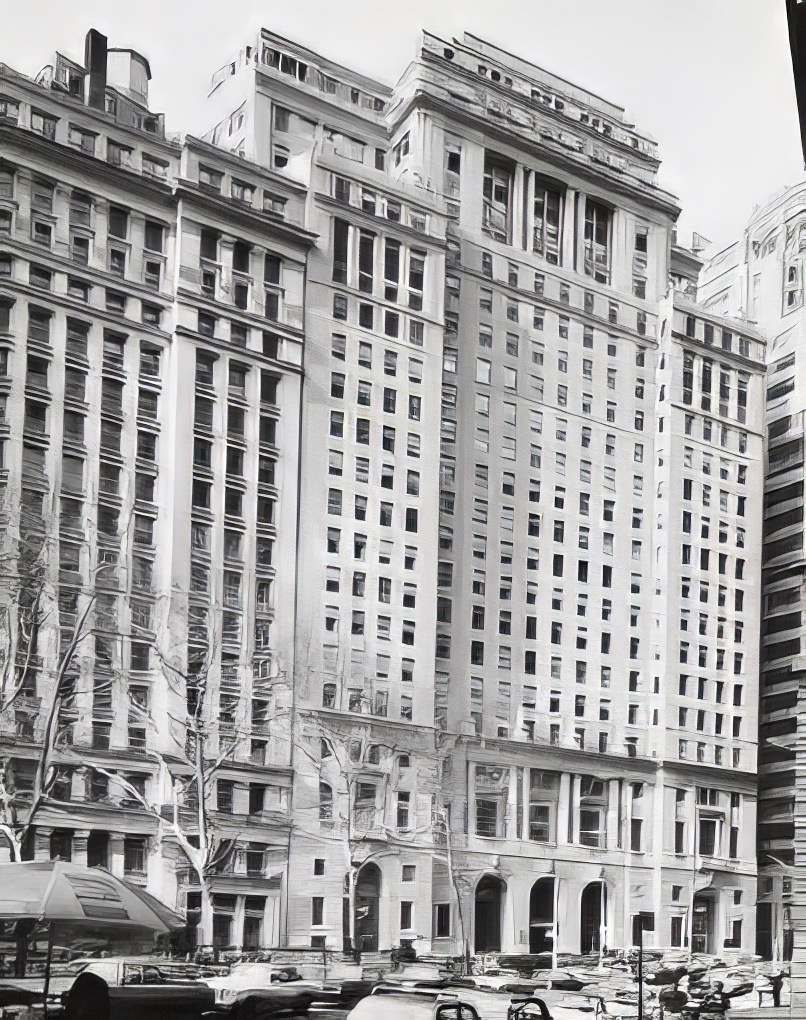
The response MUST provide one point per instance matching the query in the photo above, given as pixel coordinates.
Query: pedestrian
(763, 986)
(777, 983)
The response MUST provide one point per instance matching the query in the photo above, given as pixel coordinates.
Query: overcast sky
(711, 80)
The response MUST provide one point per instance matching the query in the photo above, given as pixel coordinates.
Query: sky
(710, 80)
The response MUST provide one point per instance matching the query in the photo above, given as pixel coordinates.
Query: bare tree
(340, 761)
(193, 754)
(27, 620)
(348, 752)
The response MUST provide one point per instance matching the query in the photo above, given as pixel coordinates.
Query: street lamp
(646, 922)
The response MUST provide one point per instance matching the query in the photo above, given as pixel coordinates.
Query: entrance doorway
(98, 849)
(541, 916)
(367, 900)
(702, 929)
(593, 917)
(489, 902)
(764, 932)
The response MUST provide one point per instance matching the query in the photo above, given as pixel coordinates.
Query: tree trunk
(205, 929)
(14, 842)
(351, 901)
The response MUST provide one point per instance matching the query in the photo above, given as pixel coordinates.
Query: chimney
(95, 63)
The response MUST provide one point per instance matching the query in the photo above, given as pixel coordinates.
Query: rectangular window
(497, 199)
(546, 238)
(406, 915)
(403, 807)
(597, 241)
(441, 928)
(486, 817)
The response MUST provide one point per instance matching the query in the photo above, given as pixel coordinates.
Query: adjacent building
(151, 302)
(760, 277)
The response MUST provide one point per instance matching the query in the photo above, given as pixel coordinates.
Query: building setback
(459, 534)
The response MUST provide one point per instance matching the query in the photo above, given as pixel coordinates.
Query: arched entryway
(541, 916)
(487, 918)
(367, 901)
(592, 917)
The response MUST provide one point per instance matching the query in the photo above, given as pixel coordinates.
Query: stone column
(78, 785)
(225, 246)
(238, 919)
(516, 212)
(527, 214)
(80, 837)
(116, 852)
(612, 814)
(573, 807)
(569, 228)
(563, 808)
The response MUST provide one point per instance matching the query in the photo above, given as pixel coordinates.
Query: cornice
(561, 158)
(379, 224)
(233, 212)
(513, 97)
(88, 167)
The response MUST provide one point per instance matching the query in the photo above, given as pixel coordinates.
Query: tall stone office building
(760, 277)
(458, 540)
(591, 749)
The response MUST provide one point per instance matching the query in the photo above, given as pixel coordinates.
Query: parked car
(121, 988)
(262, 989)
(134, 970)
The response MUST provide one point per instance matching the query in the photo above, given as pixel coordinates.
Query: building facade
(555, 381)
(554, 395)
(367, 766)
(152, 353)
(387, 505)
(760, 277)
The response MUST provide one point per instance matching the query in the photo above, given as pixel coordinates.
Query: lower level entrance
(367, 901)
(593, 917)
(541, 916)
(489, 904)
